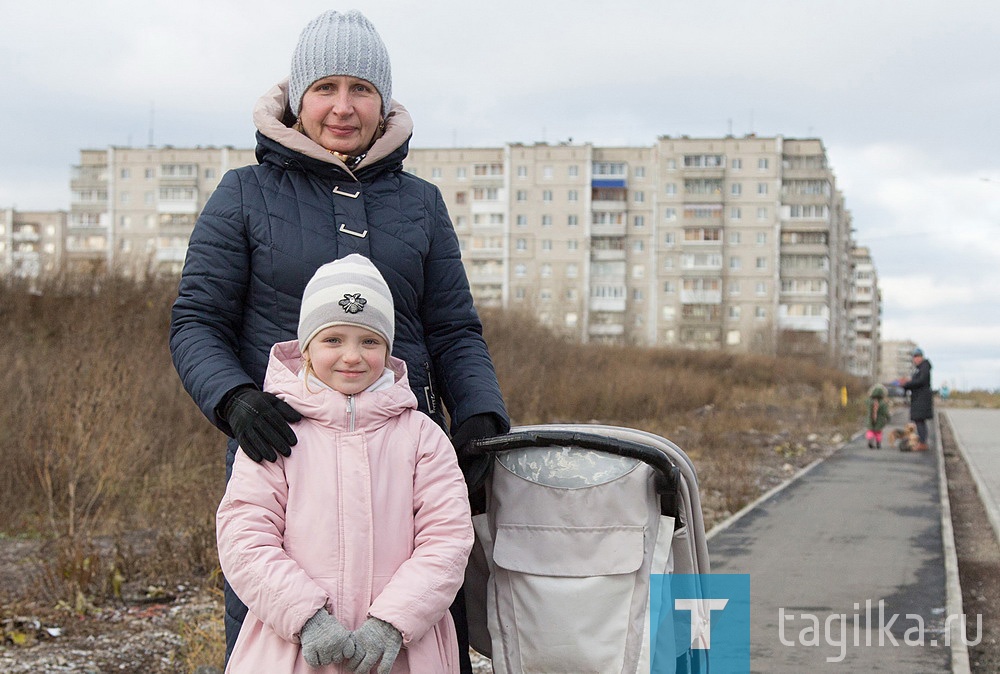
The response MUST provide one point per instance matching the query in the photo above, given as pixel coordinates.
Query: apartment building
(733, 243)
(865, 315)
(718, 243)
(896, 360)
(31, 242)
(133, 209)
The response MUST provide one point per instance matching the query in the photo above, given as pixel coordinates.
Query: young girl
(878, 415)
(356, 544)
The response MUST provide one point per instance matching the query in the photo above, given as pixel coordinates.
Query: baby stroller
(578, 516)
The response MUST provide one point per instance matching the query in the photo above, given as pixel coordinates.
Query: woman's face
(341, 113)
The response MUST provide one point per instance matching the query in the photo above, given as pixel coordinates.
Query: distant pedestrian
(879, 411)
(351, 549)
(921, 396)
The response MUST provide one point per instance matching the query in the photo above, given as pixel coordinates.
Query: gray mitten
(325, 641)
(373, 640)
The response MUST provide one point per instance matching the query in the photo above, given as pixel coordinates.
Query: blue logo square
(699, 623)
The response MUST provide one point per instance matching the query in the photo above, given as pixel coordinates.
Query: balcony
(606, 255)
(612, 304)
(177, 206)
(171, 254)
(701, 296)
(608, 228)
(26, 235)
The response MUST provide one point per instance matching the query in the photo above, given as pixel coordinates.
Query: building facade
(733, 243)
(720, 243)
(133, 209)
(31, 242)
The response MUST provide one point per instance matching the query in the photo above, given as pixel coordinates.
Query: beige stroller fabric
(559, 579)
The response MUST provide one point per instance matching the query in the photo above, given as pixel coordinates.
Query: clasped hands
(325, 641)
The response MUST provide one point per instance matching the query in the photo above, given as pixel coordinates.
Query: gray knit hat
(339, 44)
(349, 291)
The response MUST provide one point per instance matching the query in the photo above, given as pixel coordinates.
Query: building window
(734, 238)
(150, 173)
(546, 221)
(487, 169)
(761, 263)
(638, 246)
(761, 288)
(486, 194)
(522, 195)
(547, 172)
(736, 189)
(763, 163)
(546, 270)
(461, 173)
(733, 337)
(735, 263)
(522, 221)
(639, 222)
(547, 196)
(669, 287)
(669, 238)
(734, 312)
(460, 198)
(669, 213)
(671, 189)
(734, 287)
(573, 170)
(760, 312)
(761, 238)
(572, 271)
(671, 164)
(546, 244)
(520, 270)
(762, 213)
(435, 173)
(521, 245)
(572, 244)
(737, 164)
(640, 197)
(126, 173)
(761, 189)
(572, 221)
(735, 213)
(572, 195)
(522, 171)
(640, 171)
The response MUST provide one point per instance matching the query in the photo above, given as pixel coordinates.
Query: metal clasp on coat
(345, 230)
(337, 190)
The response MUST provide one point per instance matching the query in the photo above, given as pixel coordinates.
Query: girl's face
(341, 113)
(347, 358)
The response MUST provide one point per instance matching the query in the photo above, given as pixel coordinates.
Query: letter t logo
(700, 641)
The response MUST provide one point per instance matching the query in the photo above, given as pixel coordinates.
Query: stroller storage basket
(577, 518)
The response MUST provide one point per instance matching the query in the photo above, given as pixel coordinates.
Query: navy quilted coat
(268, 227)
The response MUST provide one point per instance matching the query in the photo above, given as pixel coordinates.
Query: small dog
(906, 438)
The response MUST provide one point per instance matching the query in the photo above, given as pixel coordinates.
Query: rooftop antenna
(152, 109)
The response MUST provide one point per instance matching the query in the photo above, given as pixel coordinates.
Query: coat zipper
(350, 413)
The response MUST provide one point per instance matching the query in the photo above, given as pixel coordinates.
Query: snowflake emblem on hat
(353, 304)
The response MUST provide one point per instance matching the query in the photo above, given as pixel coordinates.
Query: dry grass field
(111, 475)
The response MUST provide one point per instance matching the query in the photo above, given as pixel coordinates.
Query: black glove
(259, 422)
(475, 464)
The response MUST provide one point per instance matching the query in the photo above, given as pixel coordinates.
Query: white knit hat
(349, 291)
(339, 44)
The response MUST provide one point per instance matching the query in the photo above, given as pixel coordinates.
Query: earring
(298, 125)
(381, 124)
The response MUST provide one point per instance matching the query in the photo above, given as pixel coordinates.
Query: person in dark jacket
(328, 183)
(921, 395)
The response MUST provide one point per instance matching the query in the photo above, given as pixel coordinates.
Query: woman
(329, 182)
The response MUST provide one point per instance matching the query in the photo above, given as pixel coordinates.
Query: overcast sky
(904, 94)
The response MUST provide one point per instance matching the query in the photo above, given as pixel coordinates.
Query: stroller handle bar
(667, 474)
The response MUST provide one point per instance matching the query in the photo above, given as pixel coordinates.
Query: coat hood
(328, 407)
(274, 120)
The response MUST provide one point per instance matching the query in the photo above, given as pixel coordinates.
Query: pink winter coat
(368, 516)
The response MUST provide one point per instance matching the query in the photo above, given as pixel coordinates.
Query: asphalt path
(847, 565)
